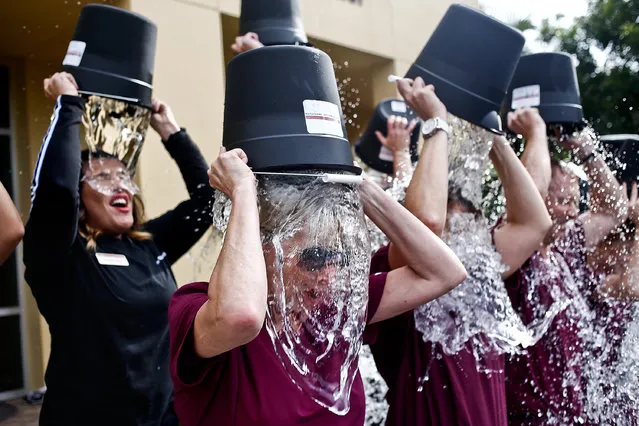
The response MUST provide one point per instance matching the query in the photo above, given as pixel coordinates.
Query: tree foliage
(610, 91)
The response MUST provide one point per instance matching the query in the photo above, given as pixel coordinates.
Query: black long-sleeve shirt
(109, 362)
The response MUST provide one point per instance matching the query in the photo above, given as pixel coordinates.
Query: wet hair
(455, 194)
(289, 204)
(91, 234)
(87, 155)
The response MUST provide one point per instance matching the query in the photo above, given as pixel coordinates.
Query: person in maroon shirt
(428, 386)
(544, 383)
(223, 363)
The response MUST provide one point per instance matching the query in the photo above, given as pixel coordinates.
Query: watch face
(429, 127)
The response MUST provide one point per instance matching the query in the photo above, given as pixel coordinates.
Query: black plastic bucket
(470, 59)
(624, 161)
(112, 54)
(283, 109)
(548, 81)
(276, 22)
(368, 147)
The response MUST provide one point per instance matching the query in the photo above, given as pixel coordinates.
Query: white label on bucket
(527, 96)
(398, 106)
(323, 117)
(385, 154)
(74, 53)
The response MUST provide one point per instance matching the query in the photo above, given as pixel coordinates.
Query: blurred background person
(444, 361)
(550, 291)
(246, 42)
(397, 141)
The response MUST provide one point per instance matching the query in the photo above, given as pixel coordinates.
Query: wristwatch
(431, 126)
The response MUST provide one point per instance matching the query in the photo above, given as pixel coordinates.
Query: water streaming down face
(108, 176)
(116, 127)
(478, 310)
(317, 254)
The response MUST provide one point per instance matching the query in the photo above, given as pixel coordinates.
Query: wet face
(563, 197)
(107, 196)
(308, 271)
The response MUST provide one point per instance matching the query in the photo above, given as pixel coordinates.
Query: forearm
(427, 194)
(421, 249)
(55, 197)
(235, 311)
(12, 228)
(524, 204)
(190, 161)
(536, 160)
(59, 158)
(239, 277)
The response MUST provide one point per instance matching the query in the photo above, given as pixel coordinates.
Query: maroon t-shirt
(455, 392)
(544, 383)
(246, 385)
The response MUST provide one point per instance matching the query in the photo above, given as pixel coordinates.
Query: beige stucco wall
(190, 77)
(395, 29)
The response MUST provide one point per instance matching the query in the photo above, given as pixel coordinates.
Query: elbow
(542, 228)
(434, 222)
(457, 276)
(15, 234)
(19, 232)
(545, 224)
(245, 323)
(451, 274)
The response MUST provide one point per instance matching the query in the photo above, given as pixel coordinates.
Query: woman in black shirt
(101, 275)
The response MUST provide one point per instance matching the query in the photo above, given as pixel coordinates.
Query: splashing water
(478, 310)
(221, 213)
(317, 254)
(108, 176)
(611, 342)
(546, 300)
(627, 367)
(468, 149)
(396, 188)
(375, 388)
(350, 97)
(116, 127)
(604, 369)
(611, 364)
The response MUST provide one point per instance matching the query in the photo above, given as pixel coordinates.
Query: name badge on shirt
(112, 259)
